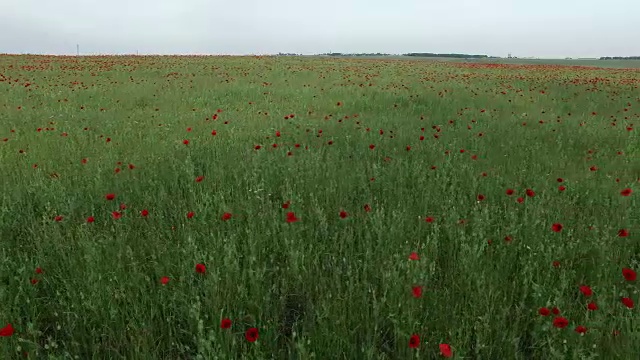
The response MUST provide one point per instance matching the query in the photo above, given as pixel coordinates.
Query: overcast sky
(543, 28)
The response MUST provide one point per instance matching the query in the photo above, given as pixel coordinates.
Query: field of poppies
(317, 208)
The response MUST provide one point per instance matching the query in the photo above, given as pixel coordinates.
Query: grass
(327, 286)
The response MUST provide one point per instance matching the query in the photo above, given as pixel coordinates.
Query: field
(317, 208)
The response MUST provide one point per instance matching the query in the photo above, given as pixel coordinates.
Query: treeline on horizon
(459, 56)
(620, 58)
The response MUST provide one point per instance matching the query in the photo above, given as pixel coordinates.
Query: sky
(524, 28)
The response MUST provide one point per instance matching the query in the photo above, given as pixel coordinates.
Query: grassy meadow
(316, 208)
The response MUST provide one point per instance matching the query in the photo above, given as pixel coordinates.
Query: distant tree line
(457, 56)
(355, 54)
(620, 58)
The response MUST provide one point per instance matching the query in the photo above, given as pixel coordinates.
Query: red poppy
(201, 269)
(225, 323)
(251, 335)
(58, 218)
(414, 256)
(429, 219)
(257, 147)
(343, 214)
(367, 207)
(164, 280)
(555, 310)
(7, 330)
(628, 302)
(291, 217)
(560, 180)
(214, 133)
(626, 192)
(623, 233)
(190, 214)
(372, 146)
(185, 141)
(417, 291)
(38, 270)
(592, 306)
(586, 290)
(544, 311)
(593, 168)
(629, 274)
(530, 193)
(286, 205)
(110, 196)
(562, 188)
(556, 263)
(199, 178)
(144, 213)
(123, 206)
(90, 219)
(445, 350)
(34, 281)
(116, 215)
(226, 216)
(557, 227)
(581, 329)
(520, 200)
(560, 322)
(509, 192)
(480, 197)
(414, 341)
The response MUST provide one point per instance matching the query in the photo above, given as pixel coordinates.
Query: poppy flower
(414, 256)
(520, 200)
(110, 196)
(480, 197)
(367, 207)
(555, 310)
(199, 178)
(58, 218)
(226, 216)
(555, 263)
(445, 350)
(291, 217)
(144, 213)
(628, 302)
(623, 233)
(116, 215)
(343, 214)
(544, 311)
(7, 330)
(429, 219)
(626, 192)
(286, 205)
(414, 341)
(629, 274)
(586, 290)
(251, 335)
(185, 141)
(509, 192)
(592, 306)
(90, 219)
(225, 323)
(557, 227)
(417, 291)
(190, 214)
(580, 329)
(530, 193)
(38, 270)
(372, 146)
(201, 269)
(562, 188)
(560, 322)
(164, 280)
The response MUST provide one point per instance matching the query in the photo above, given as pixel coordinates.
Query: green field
(119, 175)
